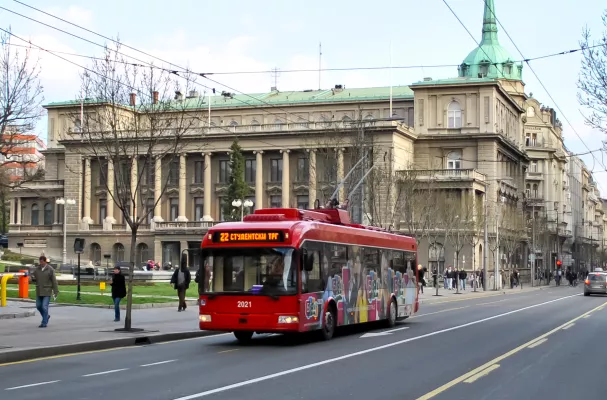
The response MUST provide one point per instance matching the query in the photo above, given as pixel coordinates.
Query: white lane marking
(437, 312)
(358, 353)
(568, 326)
(106, 372)
(158, 363)
(537, 343)
(31, 385)
(384, 333)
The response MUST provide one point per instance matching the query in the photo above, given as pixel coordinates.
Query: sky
(242, 35)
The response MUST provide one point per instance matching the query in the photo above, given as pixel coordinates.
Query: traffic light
(558, 263)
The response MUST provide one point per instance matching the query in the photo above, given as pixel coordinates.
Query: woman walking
(118, 291)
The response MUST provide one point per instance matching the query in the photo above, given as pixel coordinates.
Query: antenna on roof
(319, 62)
(390, 79)
(275, 74)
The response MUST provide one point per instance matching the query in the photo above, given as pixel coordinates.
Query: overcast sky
(241, 35)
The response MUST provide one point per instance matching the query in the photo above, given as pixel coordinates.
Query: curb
(24, 314)
(137, 339)
(107, 306)
(490, 294)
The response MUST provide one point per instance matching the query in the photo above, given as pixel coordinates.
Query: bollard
(3, 284)
(24, 284)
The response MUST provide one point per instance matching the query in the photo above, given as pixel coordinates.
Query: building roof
(454, 81)
(275, 97)
(490, 58)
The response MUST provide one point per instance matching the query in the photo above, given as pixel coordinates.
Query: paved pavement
(16, 309)
(472, 348)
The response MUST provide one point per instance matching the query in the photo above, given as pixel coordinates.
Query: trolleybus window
(252, 270)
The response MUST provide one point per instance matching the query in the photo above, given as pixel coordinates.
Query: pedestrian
(118, 291)
(462, 277)
(181, 282)
(46, 285)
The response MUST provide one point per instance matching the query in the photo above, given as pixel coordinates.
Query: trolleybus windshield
(259, 270)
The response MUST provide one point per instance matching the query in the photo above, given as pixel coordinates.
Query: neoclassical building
(477, 136)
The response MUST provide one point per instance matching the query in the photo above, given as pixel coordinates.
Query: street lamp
(65, 202)
(242, 204)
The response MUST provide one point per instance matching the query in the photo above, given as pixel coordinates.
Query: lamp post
(242, 204)
(64, 202)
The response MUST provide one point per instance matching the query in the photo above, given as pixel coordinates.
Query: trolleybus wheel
(243, 336)
(328, 327)
(392, 314)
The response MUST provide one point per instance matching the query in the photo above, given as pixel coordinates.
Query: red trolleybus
(290, 270)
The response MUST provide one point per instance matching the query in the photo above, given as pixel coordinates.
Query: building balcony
(51, 187)
(446, 178)
(184, 227)
(32, 228)
(534, 176)
(303, 126)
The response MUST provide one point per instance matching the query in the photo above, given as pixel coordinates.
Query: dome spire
(489, 24)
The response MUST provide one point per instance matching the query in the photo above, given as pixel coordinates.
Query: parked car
(4, 241)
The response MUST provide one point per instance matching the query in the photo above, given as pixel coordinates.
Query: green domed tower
(490, 59)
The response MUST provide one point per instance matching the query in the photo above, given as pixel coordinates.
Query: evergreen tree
(238, 188)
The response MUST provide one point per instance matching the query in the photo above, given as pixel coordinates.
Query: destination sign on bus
(248, 237)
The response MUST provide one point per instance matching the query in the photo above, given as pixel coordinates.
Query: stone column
(473, 204)
(19, 211)
(13, 211)
(182, 189)
(340, 173)
(286, 178)
(157, 189)
(134, 182)
(206, 214)
(87, 192)
(109, 219)
(311, 178)
(259, 179)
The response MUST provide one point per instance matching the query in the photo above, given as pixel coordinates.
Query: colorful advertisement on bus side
(361, 294)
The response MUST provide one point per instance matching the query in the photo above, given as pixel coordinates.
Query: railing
(43, 184)
(302, 126)
(444, 174)
(184, 225)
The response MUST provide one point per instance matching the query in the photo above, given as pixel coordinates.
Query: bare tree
(592, 81)
(132, 138)
(415, 187)
(512, 233)
(20, 109)
(436, 229)
(476, 226)
(456, 218)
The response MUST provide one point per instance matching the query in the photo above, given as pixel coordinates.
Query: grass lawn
(70, 298)
(163, 289)
(1, 268)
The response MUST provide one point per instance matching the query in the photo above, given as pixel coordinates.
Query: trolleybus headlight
(204, 318)
(287, 319)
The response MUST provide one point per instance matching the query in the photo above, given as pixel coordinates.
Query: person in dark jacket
(118, 291)
(181, 282)
(46, 285)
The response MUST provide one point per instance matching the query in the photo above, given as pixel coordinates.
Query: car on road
(595, 283)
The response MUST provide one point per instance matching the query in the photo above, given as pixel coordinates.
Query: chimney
(155, 96)
(132, 99)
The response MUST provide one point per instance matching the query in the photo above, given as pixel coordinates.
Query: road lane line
(464, 299)
(106, 372)
(358, 353)
(537, 343)
(227, 351)
(82, 353)
(158, 363)
(438, 312)
(568, 326)
(484, 372)
(491, 302)
(475, 371)
(31, 385)
(587, 316)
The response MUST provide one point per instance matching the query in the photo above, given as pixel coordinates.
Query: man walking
(118, 291)
(181, 282)
(46, 285)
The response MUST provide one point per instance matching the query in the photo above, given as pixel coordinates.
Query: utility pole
(486, 239)
(533, 266)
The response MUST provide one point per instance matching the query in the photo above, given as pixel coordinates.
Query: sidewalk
(76, 329)
(428, 297)
(15, 309)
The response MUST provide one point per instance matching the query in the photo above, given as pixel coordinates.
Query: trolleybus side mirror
(308, 261)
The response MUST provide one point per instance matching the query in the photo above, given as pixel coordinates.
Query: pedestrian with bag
(181, 282)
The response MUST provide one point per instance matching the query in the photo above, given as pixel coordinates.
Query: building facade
(477, 138)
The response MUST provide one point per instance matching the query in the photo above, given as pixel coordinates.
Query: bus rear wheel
(392, 312)
(328, 327)
(243, 336)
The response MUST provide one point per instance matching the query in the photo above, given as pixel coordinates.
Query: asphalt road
(540, 344)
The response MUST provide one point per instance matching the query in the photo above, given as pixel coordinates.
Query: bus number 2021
(245, 304)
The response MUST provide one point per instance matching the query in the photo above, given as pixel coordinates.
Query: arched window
(530, 112)
(534, 191)
(35, 214)
(369, 120)
(118, 252)
(233, 123)
(454, 160)
(454, 113)
(325, 122)
(95, 253)
(142, 253)
(48, 214)
(278, 124)
(255, 125)
(528, 190)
